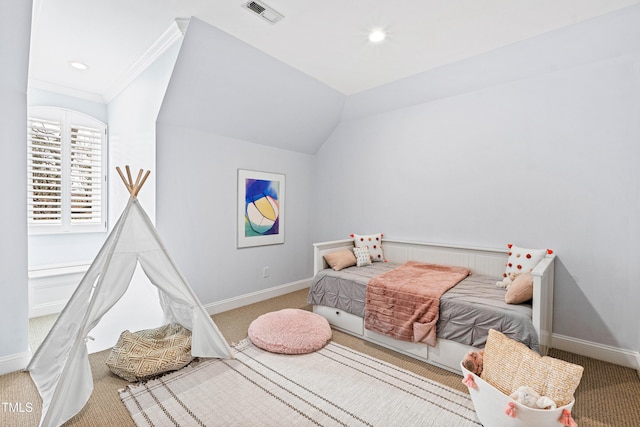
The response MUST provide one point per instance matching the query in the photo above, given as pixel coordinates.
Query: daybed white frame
(446, 354)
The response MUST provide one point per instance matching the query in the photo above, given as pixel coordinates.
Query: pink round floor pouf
(290, 331)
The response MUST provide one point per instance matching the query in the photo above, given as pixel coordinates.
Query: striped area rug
(335, 386)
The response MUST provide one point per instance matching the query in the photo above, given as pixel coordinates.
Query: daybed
(486, 266)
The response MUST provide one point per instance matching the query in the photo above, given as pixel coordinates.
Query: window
(66, 171)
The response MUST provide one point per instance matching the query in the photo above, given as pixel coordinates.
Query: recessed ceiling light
(376, 36)
(78, 65)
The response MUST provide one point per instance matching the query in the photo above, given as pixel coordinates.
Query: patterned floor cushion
(150, 352)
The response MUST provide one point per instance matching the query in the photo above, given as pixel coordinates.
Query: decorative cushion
(523, 260)
(508, 364)
(290, 331)
(520, 290)
(371, 241)
(340, 259)
(150, 352)
(363, 257)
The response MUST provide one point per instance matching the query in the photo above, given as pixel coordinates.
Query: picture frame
(261, 202)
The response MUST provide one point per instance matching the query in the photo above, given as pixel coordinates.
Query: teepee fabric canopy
(60, 367)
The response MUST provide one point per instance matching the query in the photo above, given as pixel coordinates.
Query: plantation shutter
(66, 171)
(45, 171)
(86, 175)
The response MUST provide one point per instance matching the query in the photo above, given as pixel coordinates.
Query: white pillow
(523, 260)
(362, 256)
(373, 242)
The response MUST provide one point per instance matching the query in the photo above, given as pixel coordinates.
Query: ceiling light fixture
(376, 36)
(78, 65)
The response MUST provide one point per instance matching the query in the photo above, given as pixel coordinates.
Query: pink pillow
(341, 259)
(520, 290)
(290, 331)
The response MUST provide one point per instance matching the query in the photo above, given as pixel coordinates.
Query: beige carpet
(334, 386)
(608, 395)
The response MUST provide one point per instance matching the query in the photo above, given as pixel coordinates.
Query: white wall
(227, 106)
(132, 132)
(226, 87)
(196, 217)
(542, 152)
(132, 141)
(15, 24)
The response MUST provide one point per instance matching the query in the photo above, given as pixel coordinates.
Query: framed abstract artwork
(260, 208)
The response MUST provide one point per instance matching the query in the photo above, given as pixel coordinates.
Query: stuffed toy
(529, 397)
(472, 361)
(508, 280)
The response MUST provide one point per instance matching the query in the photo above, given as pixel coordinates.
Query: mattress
(467, 311)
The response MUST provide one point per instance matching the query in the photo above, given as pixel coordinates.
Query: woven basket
(508, 365)
(151, 352)
(490, 405)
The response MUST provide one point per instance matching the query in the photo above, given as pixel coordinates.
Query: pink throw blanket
(404, 303)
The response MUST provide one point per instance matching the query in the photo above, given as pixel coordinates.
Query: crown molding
(64, 90)
(172, 34)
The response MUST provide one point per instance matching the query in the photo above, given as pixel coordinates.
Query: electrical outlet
(265, 272)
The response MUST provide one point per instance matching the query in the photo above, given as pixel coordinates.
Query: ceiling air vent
(262, 10)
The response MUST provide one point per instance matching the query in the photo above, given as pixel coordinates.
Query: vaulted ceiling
(326, 40)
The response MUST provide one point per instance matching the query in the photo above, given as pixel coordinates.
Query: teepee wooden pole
(134, 188)
(129, 175)
(126, 183)
(139, 187)
(138, 178)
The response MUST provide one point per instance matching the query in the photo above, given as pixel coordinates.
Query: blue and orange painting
(262, 211)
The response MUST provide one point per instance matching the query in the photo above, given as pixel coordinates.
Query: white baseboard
(618, 356)
(38, 310)
(242, 300)
(14, 362)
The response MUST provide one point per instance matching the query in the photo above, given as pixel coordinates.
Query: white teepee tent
(60, 367)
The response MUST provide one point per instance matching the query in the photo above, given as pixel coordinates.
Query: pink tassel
(511, 410)
(566, 419)
(469, 382)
